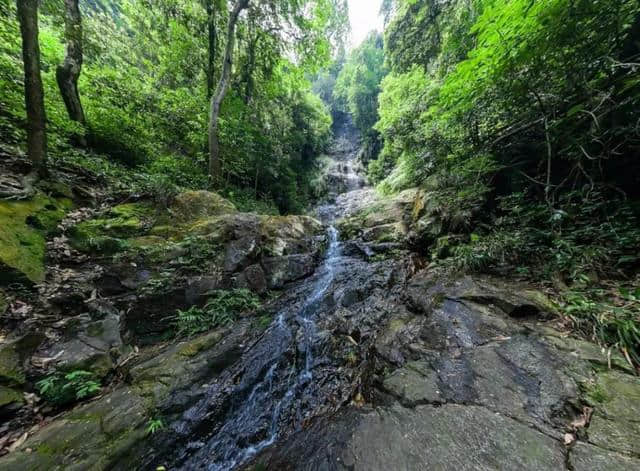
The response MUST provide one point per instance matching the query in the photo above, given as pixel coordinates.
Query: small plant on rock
(61, 389)
(155, 425)
(220, 310)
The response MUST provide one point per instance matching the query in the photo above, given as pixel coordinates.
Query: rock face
(467, 375)
(106, 433)
(116, 278)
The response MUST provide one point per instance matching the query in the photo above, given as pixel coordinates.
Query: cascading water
(226, 450)
(273, 386)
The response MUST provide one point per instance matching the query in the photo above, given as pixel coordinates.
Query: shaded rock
(239, 253)
(281, 270)
(93, 436)
(584, 457)
(514, 300)
(93, 347)
(426, 437)
(4, 302)
(13, 354)
(415, 383)
(10, 396)
(172, 379)
(451, 436)
(253, 278)
(11, 368)
(199, 287)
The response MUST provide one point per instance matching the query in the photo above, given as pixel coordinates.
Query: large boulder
(195, 205)
(377, 218)
(92, 345)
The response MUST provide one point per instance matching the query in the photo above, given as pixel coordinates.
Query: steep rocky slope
(368, 358)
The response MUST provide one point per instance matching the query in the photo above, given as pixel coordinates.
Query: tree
(68, 72)
(33, 91)
(211, 6)
(221, 91)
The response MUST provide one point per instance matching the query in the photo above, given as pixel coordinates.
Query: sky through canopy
(364, 17)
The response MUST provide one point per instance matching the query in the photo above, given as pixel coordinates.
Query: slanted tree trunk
(221, 90)
(213, 45)
(33, 92)
(68, 72)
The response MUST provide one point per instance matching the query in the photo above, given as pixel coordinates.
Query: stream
(275, 384)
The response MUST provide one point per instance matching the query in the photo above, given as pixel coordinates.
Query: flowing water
(274, 386)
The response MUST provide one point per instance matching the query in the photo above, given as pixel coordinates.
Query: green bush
(587, 232)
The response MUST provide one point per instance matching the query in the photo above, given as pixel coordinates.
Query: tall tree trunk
(33, 92)
(251, 64)
(221, 90)
(68, 72)
(213, 45)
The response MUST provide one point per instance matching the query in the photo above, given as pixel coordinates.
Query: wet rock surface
(465, 384)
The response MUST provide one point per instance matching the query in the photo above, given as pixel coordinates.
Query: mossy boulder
(24, 226)
(94, 436)
(616, 400)
(288, 235)
(109, 233)
(194, 205)
(92, 345)
(384, 219)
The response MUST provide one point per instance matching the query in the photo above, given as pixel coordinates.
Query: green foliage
(64, 388)
(590, 232)
(608, 315)
(357, 88)
(144, 91)
(220, 310)
(155, 425)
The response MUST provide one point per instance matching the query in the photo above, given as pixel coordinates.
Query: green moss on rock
(24, 226)
(10, 396)
(11, 371)
(109, 234)
(193, 205)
